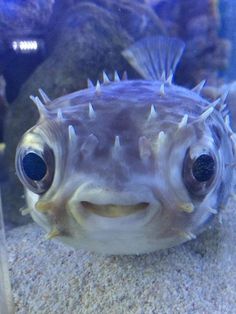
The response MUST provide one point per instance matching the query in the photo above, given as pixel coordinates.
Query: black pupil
(203, 168)
(34, 166)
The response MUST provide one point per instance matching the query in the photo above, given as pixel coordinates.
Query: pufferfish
(129, 166)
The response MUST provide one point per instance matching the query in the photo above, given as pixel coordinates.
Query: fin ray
(153, 56)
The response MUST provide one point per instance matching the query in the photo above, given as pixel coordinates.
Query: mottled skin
(120, 160)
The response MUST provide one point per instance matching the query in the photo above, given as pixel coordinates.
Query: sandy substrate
(198, 277)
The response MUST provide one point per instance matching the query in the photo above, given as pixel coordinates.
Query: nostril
(86, 205)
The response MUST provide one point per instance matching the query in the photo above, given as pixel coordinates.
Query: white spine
(198, 88)
(206, 113)
(105, 78)
(153, 114)
(44, 96)
(183, 122)
(162, 89)
(98, 87)
(92, 114)
(116, 77)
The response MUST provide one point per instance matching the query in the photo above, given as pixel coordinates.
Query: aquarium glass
(117, 156)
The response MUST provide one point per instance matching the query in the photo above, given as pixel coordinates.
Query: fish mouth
(112, 210)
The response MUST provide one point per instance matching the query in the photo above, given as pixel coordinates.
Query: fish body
(132, 166)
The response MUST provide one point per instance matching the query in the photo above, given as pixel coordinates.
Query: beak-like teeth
(111, 210)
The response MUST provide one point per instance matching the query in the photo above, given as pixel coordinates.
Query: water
(57, 46)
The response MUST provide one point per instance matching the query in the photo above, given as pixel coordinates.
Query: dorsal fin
(155, 58)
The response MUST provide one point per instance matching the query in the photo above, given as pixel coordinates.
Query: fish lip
(111, 210)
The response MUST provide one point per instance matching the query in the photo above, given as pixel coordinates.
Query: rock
(197, 23)
(21, 18)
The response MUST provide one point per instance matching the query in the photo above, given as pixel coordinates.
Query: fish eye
(35, 168)
(199, 172)
(203, 168)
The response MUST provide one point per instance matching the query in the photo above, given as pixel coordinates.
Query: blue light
(26, 46)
